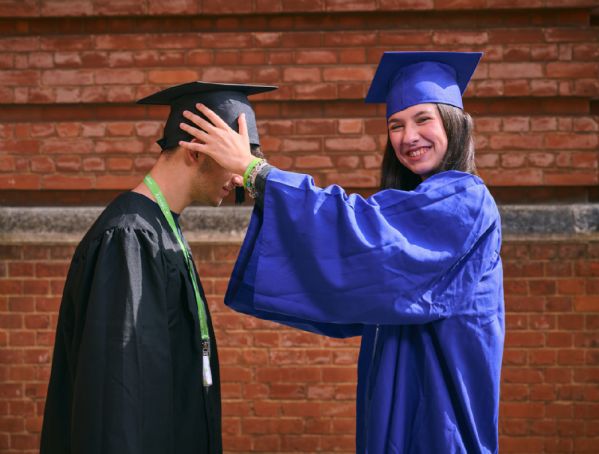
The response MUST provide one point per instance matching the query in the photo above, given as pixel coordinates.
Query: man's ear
(193, 157)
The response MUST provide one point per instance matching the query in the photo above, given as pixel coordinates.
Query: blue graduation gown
(416, 273)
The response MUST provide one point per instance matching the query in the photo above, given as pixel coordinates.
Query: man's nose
(237, 180)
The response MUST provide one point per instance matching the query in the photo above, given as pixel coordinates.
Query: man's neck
(173, 185)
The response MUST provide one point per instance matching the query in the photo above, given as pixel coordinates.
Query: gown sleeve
(320, 256)
(114, 330)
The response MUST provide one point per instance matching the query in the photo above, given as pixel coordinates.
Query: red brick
(355, 73)
(352, 56)
(226, 40)
(572, 177)
(11, 424)
(119, 146)
(66, 182)
(11, 287)
(68, 163)
(571, 286)
(586, 303)
(355, 179)
(543, 393)
(313, 162)
(301, 75)
(347, 162)
(123, 76)
(516, 141)
(173, 7)
(220, 74)
(466, 38)
(542, 358)
(513, 160)
(571, 322)
(572, 70)
(171, 76)
(568, 34)
(7, 164)
(307, 57)
(364, 144)
(541, 159)
(318, 91)
(93, 129)
(515, 70)
(16, 44)
(93, 164)
(21, 339)
(302, 40)
(21, 304)
(261, 408)
(19, 78)
(558, 269)
(68, 77)
(522, 410)
(570, 141)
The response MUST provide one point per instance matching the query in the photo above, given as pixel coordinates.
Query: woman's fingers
(194, 132)
(243, 127)
(217, 140)
(210, 115)
(198, 121)
(195, 146)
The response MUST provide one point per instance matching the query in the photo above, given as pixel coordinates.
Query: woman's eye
(423, 119)
(395, 127)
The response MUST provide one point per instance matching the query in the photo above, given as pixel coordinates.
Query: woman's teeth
(418, 152)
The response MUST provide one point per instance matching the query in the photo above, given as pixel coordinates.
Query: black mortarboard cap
(228, 101)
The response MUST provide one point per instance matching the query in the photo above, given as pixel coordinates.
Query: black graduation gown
(127, 366)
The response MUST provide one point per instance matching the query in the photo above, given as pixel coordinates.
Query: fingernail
(198, 105)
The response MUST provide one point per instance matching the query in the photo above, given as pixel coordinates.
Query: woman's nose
(410, 134)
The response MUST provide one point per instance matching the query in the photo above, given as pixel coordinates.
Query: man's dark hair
(460, 152)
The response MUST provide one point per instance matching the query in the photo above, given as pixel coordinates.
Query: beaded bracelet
(250, 176)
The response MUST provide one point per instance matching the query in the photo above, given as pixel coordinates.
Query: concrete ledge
(69, 224)
(228, 224)
(550, 220)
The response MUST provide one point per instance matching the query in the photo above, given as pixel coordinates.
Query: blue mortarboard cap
(404, 79)
(228, 101)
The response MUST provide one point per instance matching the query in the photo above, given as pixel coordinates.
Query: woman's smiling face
(418, 138)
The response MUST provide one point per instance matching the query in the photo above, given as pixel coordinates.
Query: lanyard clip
(205, 347)
(206, 371)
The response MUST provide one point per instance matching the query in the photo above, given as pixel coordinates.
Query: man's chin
(209, 203)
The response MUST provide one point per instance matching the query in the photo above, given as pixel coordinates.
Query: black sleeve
(261, 184)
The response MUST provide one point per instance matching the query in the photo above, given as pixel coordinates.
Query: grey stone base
(228, 224)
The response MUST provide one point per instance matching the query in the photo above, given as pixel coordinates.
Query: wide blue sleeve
(399, 257)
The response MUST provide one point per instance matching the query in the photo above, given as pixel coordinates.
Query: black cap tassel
(239, 195)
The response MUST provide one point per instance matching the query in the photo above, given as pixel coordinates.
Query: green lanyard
(162, 203)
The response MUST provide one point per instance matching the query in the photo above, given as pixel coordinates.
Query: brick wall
(67, 85)
(289, 391)
(70, 134)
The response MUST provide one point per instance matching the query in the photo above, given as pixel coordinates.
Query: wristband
(249, 169)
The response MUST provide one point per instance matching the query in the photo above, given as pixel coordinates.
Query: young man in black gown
(135, 366)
